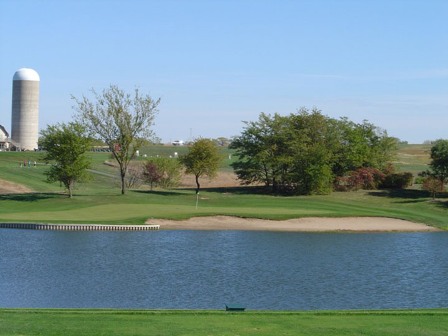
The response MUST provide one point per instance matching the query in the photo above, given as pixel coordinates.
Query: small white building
(4, 138)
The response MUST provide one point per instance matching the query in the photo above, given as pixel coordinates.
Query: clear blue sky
(217, 63)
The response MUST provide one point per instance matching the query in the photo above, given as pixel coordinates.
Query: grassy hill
(413, 158)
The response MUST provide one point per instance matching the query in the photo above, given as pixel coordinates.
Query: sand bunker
(351, 224)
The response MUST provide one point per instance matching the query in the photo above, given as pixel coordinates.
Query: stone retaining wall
(78, 227)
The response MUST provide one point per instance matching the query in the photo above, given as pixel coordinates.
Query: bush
(433, 185)
(134, 178)
(419, 180)
(397, 180)
(363, 178)
(162, 172)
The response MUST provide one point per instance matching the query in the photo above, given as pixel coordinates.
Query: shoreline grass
(213, 322)
(138, 206)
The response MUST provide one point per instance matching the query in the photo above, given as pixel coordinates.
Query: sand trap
(351, 224)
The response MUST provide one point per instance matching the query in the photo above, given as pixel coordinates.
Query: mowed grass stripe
(129, 213)
(122, 322)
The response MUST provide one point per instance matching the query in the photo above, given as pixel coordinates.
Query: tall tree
(362, 145)
(304, 152)
(290, 154)
(261, 150)
(123, 121)
(312, 146)
(439, 160)
(202, 159)
(66, 145)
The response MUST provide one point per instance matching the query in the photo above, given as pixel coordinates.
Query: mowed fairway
(195, 323)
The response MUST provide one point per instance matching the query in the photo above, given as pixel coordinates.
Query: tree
(305, 152)
(202, 159)
(433, 185)
(162, 171)
(256, 149)
(66, 145)
(123, 121)
(439, 160)
(362, 145)
(151, 173)
(290, 154)
(313, 144)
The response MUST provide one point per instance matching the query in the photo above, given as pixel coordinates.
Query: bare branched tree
(123, 121)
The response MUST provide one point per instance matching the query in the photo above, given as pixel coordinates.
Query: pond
(207, 269)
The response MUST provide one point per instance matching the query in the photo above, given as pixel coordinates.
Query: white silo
(25, 109)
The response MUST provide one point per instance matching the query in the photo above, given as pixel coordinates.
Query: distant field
(87, 322)
(413, 158)
(99, 201)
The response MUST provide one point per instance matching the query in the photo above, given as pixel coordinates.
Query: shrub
(151, 173)
(134, 178)
(397, 180)
(433, 185)
(363, 178)
(162, 172)
(419, 180)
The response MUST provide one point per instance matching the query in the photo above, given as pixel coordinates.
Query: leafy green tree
(314, 139)
(290, 154)
(362, 145)
(65, 146)
(203, 159)
(123, 121)
(262, 151)
(304, 152)
(439, 160)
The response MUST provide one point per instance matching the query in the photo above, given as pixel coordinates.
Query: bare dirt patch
(223, 179)
(7, 187)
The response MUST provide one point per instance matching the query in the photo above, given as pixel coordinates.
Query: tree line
(305, 152)
(124, 123)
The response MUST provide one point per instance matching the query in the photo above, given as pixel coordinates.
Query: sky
(216, 63)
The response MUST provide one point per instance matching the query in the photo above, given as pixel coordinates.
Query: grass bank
(145, 322)
(137, 206)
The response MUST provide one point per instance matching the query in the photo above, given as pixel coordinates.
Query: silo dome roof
(26, 74)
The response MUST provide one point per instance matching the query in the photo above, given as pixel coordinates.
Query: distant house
(4, 135)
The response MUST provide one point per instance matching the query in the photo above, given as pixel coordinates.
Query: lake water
(207, 269)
